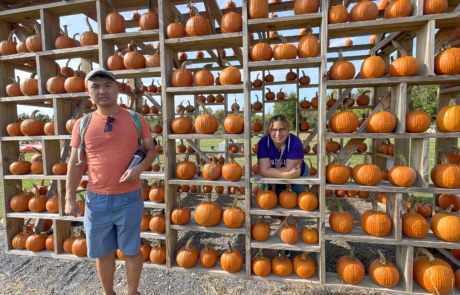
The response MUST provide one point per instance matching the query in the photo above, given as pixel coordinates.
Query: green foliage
(288, 109)
(426, 98)
(220, 116)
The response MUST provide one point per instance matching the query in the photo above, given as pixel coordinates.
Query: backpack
(84, 122)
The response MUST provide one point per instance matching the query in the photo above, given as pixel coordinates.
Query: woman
(280, 154)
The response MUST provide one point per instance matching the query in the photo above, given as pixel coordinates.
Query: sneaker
(287, 253)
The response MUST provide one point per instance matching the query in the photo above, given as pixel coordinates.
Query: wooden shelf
(216, 270)
(201, 42)
(19, 57)
(293, 278)
(305, 180)
(451, 90)
(206, 136)
(411, 23)
(45, 215)
(285, 22)
(265, 101)
(74, 52)
(152, 175)
(138, 73)
(44, 253)
(152, 205)
(38, 98)
(35, 176)
(274, 242)
(192, 225)
(37, 138)
(285, 64)
(388, 81)
(238, 88)
(384, 156)
(280, 211)
(201, 181)
(430, 241)
(394, 135)
(359, 236)
(137, 37)
(387, 187)
(152, 235)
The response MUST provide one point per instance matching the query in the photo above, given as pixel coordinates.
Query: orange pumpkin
(350, 269)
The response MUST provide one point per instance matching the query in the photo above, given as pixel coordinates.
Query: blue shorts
(297, 188)
(113, 222)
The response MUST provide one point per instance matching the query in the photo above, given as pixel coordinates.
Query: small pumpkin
(196, 25)
(149, 20)
(367, 173)
(341, 222)
(289, 51)
(187, 255)
(381, 122)
(206, 123)
(373, 67)
(337, 173)
(64, 41)
(304, 266)
(180, 215)
(231, 170)
(364, 11)
(402, 175)
(158, 253)
(158, 223)
(306, 6)
(234, 216)
(88, 38)
(398, 8)
(185, 169)
(34, 42)
(29, 86)
(257, 9)
(261, 265)
(230, 75)
(435, 7)
(349, 268)
(232, 259)
(414, 225)
(14, 88)
(405, 65)
(208, 256)
(114, 22)
(175, 29)
(260, 230)
(337, 14)
(341, 69)
(384, 273)
(376, 223)
(282, 266)
(20, 239)
(288, 233)
(208, 213)
(231, 22)
(432, 274)
(181, 125)
(308, 45)
(344, 121)
(266, 199)
(445, 175)
(448, 118)
(417, 121)
(21, 166)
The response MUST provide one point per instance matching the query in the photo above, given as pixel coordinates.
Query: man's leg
(106, 270)
(134, 266)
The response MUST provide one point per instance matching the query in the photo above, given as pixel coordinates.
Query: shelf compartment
(285, 64)
(200, 42)
(394, 135)
(285, 22)
(430, 241)
(35, 98)
(216, 270)
(152, 205)
(333, 280)
(280, 211)
(411, 23)
(138, 73)
(152, 235)
(45, 215)
(19, 57)
(389, 81)
(387, 187)
(206, 136)
(293, 278)
(192, 225)
(305, 180)
(201, 181)
(359, 236)
(137, 37)
(274, 242)
(238, 88)
(385, 156)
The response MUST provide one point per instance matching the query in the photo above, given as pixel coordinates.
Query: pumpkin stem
(425, 252)
(352, 251)
(259, 34)
(36, 29)
(412, 206)
(36, 190)
(448, 209)
(187, 154)
(311, 165)
(340, 57)
(383, 261)
(232, 158)
(90, 28)
(149, 5)
(339, 206)
(112, 6)
(283, 255)
(235, 200)
(229, 247)
(374, 203)
(399, 48)
(282, 38)
(286, 222)
(261, 252)
(184, 65)
(202, 105)
(403, 159)
(305, 255)
(288, 188)
(452, 102)
(208, 197)
(206, 247)
(179, 201)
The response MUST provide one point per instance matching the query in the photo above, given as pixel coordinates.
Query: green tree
(288, 109)
(220, 116)
(426, 98)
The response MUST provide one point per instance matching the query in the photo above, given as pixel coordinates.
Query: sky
(77, 24)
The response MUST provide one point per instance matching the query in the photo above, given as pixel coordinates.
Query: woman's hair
(277, 118)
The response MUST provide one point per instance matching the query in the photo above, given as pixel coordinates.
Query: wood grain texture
(274, 242)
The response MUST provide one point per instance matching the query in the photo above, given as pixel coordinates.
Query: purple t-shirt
(293, 151)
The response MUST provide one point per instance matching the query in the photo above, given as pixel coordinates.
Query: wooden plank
(75, 52)
(62, 231)
(50, 29)
(305, 180)
(51, 155)
(430, 241)
(420, 160)
(417, 80)
(334, 281)
(192, 225)
(216, 270)
(451, 90)
(201, 181)
(34, 176)
(404, 262)
(449, 255)
(425, 49)
(357, 235)
(152, 235)
(197, 43)
(274, 242)
(285, 22)
(393, 209)
(293, 278)
(206, 89)
(105, 48)
(198, 150)
(138, 73)
(137, 37)
(43, 215)
(280, 211)
(385, 186)
(393, 135)
(206, 136)
(285, 64)
(37, 138)
(149, 204)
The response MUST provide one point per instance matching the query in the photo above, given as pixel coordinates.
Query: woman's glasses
(108, 125)
(281, 131)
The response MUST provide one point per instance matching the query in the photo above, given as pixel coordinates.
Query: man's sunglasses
(108, 125)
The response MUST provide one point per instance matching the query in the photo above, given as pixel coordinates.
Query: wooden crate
(412, 146)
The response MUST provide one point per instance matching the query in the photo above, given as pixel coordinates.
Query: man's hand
(131, 175)
(72, 207)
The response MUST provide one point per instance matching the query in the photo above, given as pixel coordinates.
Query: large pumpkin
(181, 125)
(446, 226)
(367, 173)
(230, 75)
(206, 123)
(445, 175)
(341, 69)
(203, 77)
(257, 9)
(185, 169)
(405, 65)
(231, 22)
(182, 77)
(208, 256)
(376, 223)
(74, 84)
(433, 274)
(232, 171)
(187, 256)
(364, 10)
(180, 214)
(212, 170)
(29, 86)
(308, 45)
(149, 20)
(344, 121)
(64, 41)
(175, 29)
(261, 265)
(234, 124)
(208, 213)
(414, 225)
(114, 22)
(285, 50)
(32, 126)
(337, 173)
(232, 259)
(398, 8)
(306, 6)
(435, 6)
(337, 14)
(132, 58)
(197, 25)
(448, 118)
(350, 269)
(266, 199)
(341, 222)
(289, 233)
(260, 230)
(282, 266)
(234, 216)
(34, 42)
(417, 121)
(88, 38)
(260, 51)
(373, 67)
(381, 122)
(384, 273)
(402, 175)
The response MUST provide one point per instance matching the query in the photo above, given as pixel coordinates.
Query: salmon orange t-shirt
(109, 154)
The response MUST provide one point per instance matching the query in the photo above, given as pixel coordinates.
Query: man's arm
(134, 173)
(292, 169)
(73, 178)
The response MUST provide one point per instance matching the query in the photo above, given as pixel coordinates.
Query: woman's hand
(294, 172)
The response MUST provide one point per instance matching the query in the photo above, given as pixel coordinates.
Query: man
(114, 205)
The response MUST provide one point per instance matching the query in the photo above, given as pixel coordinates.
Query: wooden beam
(198, 150)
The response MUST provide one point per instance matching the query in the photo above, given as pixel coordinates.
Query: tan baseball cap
(99, 71)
